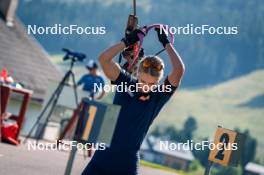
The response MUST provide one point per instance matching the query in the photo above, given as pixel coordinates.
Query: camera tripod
(51, 103)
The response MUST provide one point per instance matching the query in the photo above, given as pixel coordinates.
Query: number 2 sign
(227, 147)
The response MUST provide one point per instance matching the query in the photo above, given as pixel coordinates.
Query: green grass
(160, 167)
(198, 171)
(219, 105)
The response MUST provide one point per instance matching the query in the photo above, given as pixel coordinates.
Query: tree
(156, 132)
(189, 127)
(202, 155)
(249, 150)
(172, 133)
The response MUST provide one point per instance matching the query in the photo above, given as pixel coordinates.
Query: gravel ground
(20, 160)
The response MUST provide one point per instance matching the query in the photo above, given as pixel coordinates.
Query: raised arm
(178, 67)
(110, 68)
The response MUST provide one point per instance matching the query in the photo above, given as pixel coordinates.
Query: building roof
(27, 62)
(255, 168)
(153, 144)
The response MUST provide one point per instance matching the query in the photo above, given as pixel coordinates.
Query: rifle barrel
(135, 7)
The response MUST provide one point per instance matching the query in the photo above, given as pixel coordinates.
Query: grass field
(235, 103)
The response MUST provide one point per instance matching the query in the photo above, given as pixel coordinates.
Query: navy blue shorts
(109, 162)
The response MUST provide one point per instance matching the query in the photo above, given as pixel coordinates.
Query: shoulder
(125, 76)
(100, 78)
(168, 88)
(165, 91)
(86, 76)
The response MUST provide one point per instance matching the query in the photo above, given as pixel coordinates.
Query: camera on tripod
(50, 105)
(74, 56)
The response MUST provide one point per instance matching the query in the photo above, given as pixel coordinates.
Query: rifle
(132, 24)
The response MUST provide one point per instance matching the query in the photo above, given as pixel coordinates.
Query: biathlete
(138, 108)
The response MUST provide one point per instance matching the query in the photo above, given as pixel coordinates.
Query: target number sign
(96, 122)
(227, 145)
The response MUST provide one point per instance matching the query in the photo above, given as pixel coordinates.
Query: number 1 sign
(96, 122)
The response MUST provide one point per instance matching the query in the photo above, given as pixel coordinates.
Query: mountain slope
(234, 103)
(219, 57)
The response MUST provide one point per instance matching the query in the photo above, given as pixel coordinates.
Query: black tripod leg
(70, 73)
(61, 84)
(41, 114)
(50, 112)
(75, 89)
